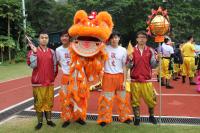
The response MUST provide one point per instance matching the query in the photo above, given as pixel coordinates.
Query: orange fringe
(93, 65)
(105, 113)
(123, 108)
(83, 105)
(66, 106)
(85, 68)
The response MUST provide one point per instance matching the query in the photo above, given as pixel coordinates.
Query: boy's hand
(34, 49)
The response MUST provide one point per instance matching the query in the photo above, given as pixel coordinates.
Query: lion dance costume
(87, 58)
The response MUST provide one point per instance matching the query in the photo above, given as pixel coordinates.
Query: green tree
(40, 14)
(10, 11)
(185, 18)
(129, 16)
(6, 41)
(63, 16)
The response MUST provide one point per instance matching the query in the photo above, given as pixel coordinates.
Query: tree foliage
(129, 16)
(10, 14)
(185, 19)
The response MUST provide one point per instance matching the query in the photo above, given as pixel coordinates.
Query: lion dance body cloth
(87, 57)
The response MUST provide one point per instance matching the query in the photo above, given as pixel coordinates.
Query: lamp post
(158, 26)
(24, 15)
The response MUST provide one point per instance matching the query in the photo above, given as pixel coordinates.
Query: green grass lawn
(26, 125)
(12, 71)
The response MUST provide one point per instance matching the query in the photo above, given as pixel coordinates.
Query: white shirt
(197, 47)
(116, 59)
(63, 57)
(141, 50)
(166, 50)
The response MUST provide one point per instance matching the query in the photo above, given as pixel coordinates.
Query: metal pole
(24, 15)
(160, 87)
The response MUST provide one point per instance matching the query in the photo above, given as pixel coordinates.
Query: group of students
(141, 61)
(178, 61)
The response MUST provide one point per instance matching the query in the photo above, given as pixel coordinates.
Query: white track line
(14, 79)
(14, 116)
(13, 106)
(10, 90)
(29, 108)
(187, 95)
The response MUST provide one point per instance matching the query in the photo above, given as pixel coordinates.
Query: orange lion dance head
(90, 32)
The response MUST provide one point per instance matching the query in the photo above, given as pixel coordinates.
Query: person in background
(178, 60)
(167, 52)
(188, 52)
(197, 57)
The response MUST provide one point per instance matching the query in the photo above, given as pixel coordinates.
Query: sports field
(26, 125)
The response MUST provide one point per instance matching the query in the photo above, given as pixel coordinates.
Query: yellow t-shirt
(188, 49)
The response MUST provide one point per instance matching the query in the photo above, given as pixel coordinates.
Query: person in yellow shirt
(188, 53)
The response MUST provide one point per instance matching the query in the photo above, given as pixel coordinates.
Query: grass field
(26, 125)
(12, 71)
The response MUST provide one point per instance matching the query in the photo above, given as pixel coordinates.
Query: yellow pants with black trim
(188, 67)
(43, 98)
(166, 73)
(144, 90)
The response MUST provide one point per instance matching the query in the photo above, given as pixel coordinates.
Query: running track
(16, 91)
(181, 101)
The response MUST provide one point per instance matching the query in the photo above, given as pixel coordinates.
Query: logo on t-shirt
(67, 57)
(113, 56)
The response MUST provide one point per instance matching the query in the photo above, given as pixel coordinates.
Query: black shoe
(127, 121)
(103, 124)
(38, 126)
(152, 119)
(65, 124)
(169, 87)
(193, 83)
(50, 123)
(137, 121)
(80, 121)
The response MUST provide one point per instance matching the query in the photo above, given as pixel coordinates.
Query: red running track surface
(183, 100)
(16, 91)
